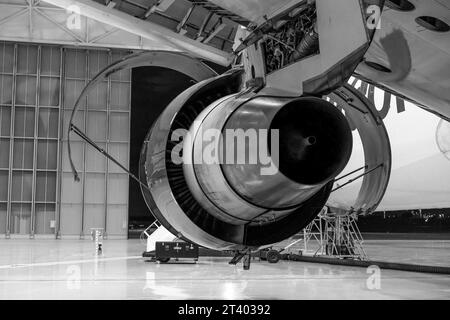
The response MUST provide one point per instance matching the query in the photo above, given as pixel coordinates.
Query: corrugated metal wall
(38, 196)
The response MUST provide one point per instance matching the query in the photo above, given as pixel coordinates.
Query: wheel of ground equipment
(163, 260)
(273, 256)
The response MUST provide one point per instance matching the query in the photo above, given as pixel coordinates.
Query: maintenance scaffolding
(333, 235)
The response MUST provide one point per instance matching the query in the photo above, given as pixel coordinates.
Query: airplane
(420, 144)
(312, 71)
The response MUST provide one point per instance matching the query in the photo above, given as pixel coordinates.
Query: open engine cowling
(305, 183)
(230, 204)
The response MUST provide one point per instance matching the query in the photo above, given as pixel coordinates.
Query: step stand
(161, 234)
(330, 235)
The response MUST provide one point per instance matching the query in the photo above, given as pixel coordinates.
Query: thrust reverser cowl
(234, 206)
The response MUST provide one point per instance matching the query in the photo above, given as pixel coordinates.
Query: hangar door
(38, 196)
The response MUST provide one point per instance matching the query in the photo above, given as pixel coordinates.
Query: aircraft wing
(410, 53)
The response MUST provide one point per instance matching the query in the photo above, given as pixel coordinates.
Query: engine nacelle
(232, 205)
(216, 196)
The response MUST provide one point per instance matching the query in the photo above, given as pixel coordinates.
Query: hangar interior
(48, 220)
(39, 197)
(44, 67)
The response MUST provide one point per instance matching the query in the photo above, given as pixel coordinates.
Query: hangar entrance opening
(153, 88)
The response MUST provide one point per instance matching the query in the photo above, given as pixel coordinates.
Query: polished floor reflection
(63, 269)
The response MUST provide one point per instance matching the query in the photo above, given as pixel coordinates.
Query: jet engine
(231, 170)
(248, 158)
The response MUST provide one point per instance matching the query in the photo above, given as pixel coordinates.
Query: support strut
(356, 178)
(83, 136)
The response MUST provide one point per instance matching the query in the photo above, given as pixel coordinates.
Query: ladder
(161, 234)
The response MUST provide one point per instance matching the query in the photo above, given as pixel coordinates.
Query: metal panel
(108, 138)
(73, 88)
(94, 217)
(26, 90)
(95, 162)
(60, 126)
(23, 154)
(49, 91)
(70, 221)
(77, 156)
(118, 188)
(3, 220)
(36, 187)
(5, 121)
(120, 96)
(3, 182)
(120, 152)
(27, 62)
(47, 152)
(4, 154)
(7, 58)
(21, 186)
(95, 188)
(45, 217)
(20, 218)
(48, 123)
(117, 220)
(24, 122)
(119, 121)
(11, 149)
(51, 61)
(98, 96)
(83, 204)
(6, 84)
(98, 60)
(97, 126)
(106, 121)
(46, 193)
(38, 88)
(31, 136)
(71, 192)
(78, 121)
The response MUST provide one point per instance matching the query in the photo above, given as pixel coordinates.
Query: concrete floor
(425, 252)
(67, 269)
